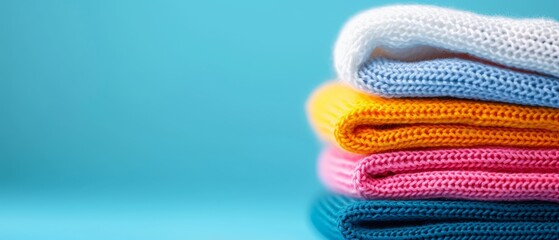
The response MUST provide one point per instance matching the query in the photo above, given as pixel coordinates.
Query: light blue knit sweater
(459, 78)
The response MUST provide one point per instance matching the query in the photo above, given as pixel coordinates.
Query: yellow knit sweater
(366, 124)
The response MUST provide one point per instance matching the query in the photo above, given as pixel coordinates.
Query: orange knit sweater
(362, 123)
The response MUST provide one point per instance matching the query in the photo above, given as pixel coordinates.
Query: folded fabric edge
(402, 27)
(335, 111)
(444, 173)
(339, 217)
(459, 78)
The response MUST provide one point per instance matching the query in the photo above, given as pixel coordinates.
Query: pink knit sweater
(475, 173)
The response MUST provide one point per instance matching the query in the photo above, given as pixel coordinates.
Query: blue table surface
(111, 215)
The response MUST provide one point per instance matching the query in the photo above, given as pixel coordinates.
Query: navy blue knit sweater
(338, 217)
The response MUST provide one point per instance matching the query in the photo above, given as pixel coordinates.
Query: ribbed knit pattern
(339, 217)
(457, 78)
(477, 174)
(362, 123)
(404, 32)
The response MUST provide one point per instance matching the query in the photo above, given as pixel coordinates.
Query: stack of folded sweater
(444, 124)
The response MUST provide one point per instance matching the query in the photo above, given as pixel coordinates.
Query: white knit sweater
(415, 31)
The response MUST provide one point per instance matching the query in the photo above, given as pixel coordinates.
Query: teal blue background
(168, 119)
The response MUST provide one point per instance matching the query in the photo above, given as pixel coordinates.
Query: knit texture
(339, 217)
(411, 32)
(475, 174)
(458, 78)
(362, 123)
